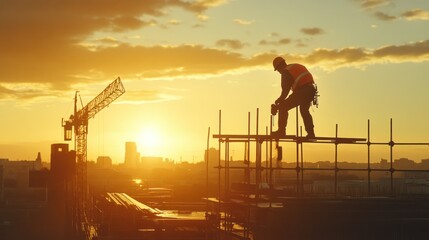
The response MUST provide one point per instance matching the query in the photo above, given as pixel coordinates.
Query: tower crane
(79, 121)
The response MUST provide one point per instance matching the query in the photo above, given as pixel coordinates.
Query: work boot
(279, 134)
(310, 134)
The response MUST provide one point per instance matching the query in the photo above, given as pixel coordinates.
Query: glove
(273, 109)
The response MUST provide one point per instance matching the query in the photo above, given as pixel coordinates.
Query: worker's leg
(307, 118)
(284, 107)
(306, 96)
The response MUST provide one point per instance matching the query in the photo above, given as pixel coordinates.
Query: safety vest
(301, 76)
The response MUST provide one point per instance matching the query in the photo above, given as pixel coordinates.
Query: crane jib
(103, 99)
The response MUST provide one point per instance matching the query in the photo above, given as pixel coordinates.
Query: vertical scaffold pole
(369, 159)
(297, 154)
(219, 175)
(227, 191)
(392, 170)
(207, 183)
(246, 226)
(271, 161)
(336, 160)
(226, 180)
(258, 157)
(302, 164)
(248, 148)
(266, 156)
(368, 143)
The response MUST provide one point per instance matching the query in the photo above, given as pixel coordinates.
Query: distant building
(104, 162)
(150, 163)
(132, 157)
(404, 163)
(425, 164)
(15, 174)
(212, 155)
(16, 180)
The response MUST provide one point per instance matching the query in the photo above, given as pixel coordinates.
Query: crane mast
(79, 121)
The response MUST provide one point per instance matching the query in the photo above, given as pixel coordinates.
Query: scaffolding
(231, 213)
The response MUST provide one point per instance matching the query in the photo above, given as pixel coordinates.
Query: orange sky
(182, 61)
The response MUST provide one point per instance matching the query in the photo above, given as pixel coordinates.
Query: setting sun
(150, 141)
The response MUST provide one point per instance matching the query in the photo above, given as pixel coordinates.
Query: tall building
(132, 157)
(212, 155)
(38, 162)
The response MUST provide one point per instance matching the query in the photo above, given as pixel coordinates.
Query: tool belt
(316, 96)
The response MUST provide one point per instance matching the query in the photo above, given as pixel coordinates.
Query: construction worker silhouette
(297, 78)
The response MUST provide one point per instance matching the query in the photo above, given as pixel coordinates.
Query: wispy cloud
(371, 4)
(28, 93)
(283, 41)
(410, 15)
(312, 31)
(416, 14)
(231, 43)
(332, 59)
(243, 22)
(174, 22)
(384, 16)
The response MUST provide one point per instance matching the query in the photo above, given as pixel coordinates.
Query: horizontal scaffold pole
(291, 138)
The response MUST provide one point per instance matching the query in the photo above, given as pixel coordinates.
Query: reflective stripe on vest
(299, 80)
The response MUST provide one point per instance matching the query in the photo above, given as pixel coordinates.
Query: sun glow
(150, 141)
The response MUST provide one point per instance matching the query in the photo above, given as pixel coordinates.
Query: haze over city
(183, 61)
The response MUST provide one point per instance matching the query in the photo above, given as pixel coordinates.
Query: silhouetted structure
(104, 162)
(62, 187)
(79, 122)
(123, 217)
(268, 205)
(132, 156)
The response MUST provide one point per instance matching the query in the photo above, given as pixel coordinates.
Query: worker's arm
(287, 81)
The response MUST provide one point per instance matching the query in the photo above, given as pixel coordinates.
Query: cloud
(49, 42)
(28, 92)
(416, 14)
(202, 17)
(124, 23)
(174, 22)
(410, 15)
(312, 31)
(32, 29)
(43, 51)
(243, 22)
(177, 62)
(211, 3)
(332, 59)
(283, 41)
(384, 17)
(230, 43)
(371, 4)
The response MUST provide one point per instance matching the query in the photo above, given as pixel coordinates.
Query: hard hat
(277, 61)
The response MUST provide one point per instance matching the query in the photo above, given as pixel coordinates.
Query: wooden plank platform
(288, 137)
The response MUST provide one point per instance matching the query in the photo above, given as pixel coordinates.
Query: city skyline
(179, 70)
